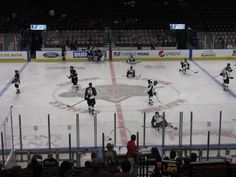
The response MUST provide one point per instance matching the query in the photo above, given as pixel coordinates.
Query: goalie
(158, 121)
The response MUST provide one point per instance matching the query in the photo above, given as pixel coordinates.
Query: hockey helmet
(131, 67)
(90, 84)
(71, 67)
(155, 82)
(109, 146)
(228, 64)
(156, 113)
(16, 71)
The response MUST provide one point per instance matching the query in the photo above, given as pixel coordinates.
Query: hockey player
(158, 121)
(16, 81)
(225, 73)
(74, 77)
(151, 90)
(98, 55)
(228, 67)
(131, 60)
(130, 72)
(63, 52)
(90, 93)
(184, 66)
(90, 53)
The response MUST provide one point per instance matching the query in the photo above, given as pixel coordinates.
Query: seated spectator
(172, 155)
(96, 170)
(110, 156)
(155, 154)
(193, 157)
(93, 156)
(65, 169)
(125, 166)
(36, 165)
(50, 161)
(87, 164)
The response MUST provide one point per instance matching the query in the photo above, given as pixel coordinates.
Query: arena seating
(203, 15)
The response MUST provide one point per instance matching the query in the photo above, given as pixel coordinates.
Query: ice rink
(45, 89)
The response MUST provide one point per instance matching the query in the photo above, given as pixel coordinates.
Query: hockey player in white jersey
(225, 73)
(151, 91)
(184, 66)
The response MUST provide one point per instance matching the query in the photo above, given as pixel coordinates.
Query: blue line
(10, 82)
(213, 78)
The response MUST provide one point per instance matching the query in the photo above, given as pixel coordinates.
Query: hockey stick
(70, 106)
(157, 99)
(193, 71)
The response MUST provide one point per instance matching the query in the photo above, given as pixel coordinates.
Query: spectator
(50, 161)
(96, 170)
(132, 152)
(93, 156)
(110, 156)
(139, 46)
(87, 164)
(36, 165)
(193, 157)
(64, 169)
(125, 166)
(172, 155)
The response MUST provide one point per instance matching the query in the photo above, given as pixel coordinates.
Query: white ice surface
(43, 84)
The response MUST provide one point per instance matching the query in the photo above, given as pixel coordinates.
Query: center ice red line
(119, 111)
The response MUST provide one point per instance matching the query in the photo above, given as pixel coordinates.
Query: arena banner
(53, 54)
(151, 54)
(56, 54)
(173, 53)
(214, 54)
(14, 55)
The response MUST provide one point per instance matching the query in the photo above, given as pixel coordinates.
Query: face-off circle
(135, 91)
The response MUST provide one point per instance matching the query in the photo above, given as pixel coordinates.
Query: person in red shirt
(132, 152)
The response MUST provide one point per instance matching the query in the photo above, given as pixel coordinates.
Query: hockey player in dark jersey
(16, 81)
(184, 66)
(130, 72)
(225, 73)
(90, 53)
(63, 52)
(74, 77)
(151, 90)
(131, 60)
(158, 121)
(97, 55)
(90, 93)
